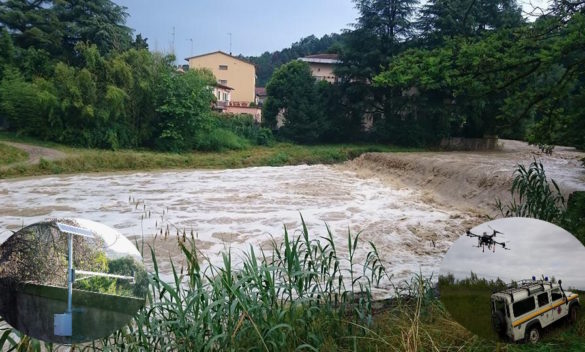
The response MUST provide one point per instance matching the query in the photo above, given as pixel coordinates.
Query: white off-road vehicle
(521, 312)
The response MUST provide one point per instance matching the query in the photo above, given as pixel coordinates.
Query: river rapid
(238, 208)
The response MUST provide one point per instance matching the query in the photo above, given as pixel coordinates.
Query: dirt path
(35, 153)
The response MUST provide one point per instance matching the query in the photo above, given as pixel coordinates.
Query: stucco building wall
(229, 71)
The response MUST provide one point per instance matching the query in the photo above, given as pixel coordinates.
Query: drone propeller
(495, 231)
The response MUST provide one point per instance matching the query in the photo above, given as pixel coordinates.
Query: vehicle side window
(556, 295)
(543, 299)
(524, 306)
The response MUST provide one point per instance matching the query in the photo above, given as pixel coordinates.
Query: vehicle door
(545, 307)
(560, 309)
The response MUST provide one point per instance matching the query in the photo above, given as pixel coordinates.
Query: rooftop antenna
(230, 34)
(63, 323)
(191, 40)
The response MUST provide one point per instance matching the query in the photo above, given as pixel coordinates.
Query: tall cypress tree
(381, 32)
(468, 18)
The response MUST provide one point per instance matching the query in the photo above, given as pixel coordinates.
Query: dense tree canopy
(293, 93)
(410, 74)
(440, 19)
(505, 80)
(468, 68)
(70, 72)
(57, 26)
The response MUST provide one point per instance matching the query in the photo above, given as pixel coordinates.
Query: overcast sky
(256, 25)
(536, 248)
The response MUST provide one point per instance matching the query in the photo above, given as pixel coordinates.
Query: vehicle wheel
(533, 334)
(573, 313)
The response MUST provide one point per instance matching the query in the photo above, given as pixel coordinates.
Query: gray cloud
(536, 248)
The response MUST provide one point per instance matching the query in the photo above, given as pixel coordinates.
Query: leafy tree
(140, 43)
(184, 109)
(381, 32)
(57, 26)
(292, 91)
(32, 23)
(99, 22)
(502, 81)
(342, 126)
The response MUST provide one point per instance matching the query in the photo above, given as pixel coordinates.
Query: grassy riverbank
(94, 160)
(9, 155)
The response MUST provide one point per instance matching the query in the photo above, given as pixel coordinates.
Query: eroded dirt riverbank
(470, 181)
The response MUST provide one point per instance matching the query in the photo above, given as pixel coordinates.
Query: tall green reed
(295, 295)
(534, 196)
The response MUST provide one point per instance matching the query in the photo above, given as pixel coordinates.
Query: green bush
(219, 139)
(244, 126)
(122, 266)
(279, 159)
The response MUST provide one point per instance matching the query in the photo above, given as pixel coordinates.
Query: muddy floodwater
(238, 208)
(409, 222)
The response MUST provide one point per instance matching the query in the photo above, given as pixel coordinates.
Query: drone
(485, 240)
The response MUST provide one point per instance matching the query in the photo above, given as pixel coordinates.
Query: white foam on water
(238, 208)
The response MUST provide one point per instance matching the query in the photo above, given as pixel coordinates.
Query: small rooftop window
(223, 67)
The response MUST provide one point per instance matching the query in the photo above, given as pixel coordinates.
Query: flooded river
(412, 222)
(238, 208)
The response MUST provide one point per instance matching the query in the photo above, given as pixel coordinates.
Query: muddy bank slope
(470, 181)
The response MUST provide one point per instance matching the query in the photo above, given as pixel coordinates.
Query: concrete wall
(458, 143)
(32, 309)
(254, 111)
(239, 75)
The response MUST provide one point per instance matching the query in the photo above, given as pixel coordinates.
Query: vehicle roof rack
(530, 286)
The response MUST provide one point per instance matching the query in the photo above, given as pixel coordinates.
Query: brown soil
(35, 153)
(470, 181)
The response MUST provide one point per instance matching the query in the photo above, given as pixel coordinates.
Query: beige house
(322, 66)
(229, 71)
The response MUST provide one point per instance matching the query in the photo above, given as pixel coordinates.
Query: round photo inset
(70, 280)
(514, 279)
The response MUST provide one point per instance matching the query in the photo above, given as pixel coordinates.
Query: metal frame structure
(63, 323)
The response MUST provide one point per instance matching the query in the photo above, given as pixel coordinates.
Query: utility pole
(191, 52)
(230, 34)
(173, 42)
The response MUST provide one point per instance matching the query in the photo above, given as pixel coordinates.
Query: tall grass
(534, 195)
(294, 296)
